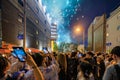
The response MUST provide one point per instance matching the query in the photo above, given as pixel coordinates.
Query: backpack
(117, 68)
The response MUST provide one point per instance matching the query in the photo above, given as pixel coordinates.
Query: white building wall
(113, 32)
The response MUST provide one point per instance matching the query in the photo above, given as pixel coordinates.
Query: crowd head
(4, 65)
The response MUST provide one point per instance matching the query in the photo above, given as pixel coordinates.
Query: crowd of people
(62, 66)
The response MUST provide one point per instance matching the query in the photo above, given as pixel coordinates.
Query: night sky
(68, 13)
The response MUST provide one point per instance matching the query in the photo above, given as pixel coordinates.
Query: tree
(61, 46)
(55, 47)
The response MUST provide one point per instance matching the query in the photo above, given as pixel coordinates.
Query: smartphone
(45, 50)
(79, 55)
(19, 53)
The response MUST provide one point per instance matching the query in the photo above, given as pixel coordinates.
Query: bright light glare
(78, 29)
(58, 43)
(29, 50)
(107, 34)
(3, 55)
(44, 8)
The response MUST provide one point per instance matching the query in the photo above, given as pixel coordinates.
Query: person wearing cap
(110, 72)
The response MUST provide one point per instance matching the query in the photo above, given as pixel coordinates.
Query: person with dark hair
(72, 64)
(85, 72)
(4, 66)
(90, 57)
(37, 72)
(100, 67)
(90, 53)
(111, 73)
(49, 71)
(38, 59)
(63, 66)
(92, 60)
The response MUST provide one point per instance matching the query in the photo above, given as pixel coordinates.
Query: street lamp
(78, 30)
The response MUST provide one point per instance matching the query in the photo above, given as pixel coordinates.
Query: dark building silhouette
(12, 24)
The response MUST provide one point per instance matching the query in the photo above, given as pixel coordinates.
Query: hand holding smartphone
(19, 53)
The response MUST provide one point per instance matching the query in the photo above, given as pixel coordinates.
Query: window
(107, 26)
(107, 34)
(118, 28)
(37, 21)
(53, 33)
(20, 18)
(118, 38)
(20, 2)
(36, 10)
(28, 7)
(54, 30)
(118, 17)
(37, 42)
(37, 32)
(45, 21)
(45, 30)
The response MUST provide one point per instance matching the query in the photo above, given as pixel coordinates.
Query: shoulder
(110, 69)
(110, 73)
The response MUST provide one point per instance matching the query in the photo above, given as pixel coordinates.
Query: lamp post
(77, 31)
(24, 25)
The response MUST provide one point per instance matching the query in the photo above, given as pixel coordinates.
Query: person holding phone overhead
(37, 72)
(5, 66)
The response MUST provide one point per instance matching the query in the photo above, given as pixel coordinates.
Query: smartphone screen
(79, 55)
(13, 54)
(19, 53)
(45, 50)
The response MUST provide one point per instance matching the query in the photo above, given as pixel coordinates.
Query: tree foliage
(55, 47)
(67, 47)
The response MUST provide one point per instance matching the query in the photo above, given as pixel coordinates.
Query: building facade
(90, 37)
(113, 30)
(97, 34)
(17, 13)
(54, 35)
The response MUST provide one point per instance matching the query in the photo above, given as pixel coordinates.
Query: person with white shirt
(110, 73)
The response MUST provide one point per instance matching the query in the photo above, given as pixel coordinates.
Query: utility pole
(84, 40)
(24, 25)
